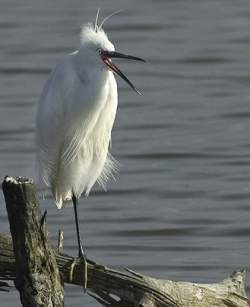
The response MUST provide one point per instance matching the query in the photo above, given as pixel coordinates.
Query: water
(180, 206)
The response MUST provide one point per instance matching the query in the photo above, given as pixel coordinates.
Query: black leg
(81, 253)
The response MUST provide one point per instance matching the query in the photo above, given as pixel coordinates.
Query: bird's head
(100, 50)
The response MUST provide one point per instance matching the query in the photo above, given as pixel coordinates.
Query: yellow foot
(85, 272)
(71, 271)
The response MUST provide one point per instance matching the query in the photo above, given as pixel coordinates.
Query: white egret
(75, 117)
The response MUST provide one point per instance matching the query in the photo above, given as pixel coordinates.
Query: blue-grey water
(180, 207)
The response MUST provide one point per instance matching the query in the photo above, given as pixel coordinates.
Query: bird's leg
(81, 253)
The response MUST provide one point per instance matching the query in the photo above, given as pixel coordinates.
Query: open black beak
(106, 57)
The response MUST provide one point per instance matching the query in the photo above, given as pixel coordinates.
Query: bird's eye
(99, 50)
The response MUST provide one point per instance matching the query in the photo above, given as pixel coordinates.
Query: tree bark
(37, 275)
(115, 288)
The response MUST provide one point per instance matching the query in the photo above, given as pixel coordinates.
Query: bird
(74, 119)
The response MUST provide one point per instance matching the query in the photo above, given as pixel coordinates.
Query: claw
(71, 271)
(82, 257)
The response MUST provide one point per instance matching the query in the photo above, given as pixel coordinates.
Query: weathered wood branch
(131, 286)
(134, 289)
(37, 275)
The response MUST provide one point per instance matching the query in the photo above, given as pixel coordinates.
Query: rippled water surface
(180, 206)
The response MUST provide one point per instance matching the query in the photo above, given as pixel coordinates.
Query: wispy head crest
(89, 33)
(109, 16)
(92, 32)
(96, 19)
(96, 27)
(99, 38)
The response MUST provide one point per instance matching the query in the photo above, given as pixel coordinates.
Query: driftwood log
(109, 287)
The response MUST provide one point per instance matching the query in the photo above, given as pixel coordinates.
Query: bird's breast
(101, 133)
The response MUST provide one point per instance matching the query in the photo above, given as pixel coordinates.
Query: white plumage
(74, 120)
